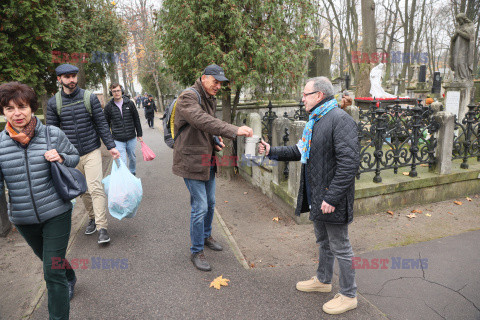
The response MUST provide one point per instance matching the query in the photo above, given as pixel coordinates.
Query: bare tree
(369, 46)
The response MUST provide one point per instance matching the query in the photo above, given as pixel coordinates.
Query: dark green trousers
(49, 241)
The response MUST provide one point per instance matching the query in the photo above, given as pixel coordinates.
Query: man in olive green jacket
(195, 126)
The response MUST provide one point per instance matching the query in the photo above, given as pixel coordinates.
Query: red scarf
(24, 136)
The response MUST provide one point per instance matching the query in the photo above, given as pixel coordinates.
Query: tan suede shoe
(340, 304)
(313, 285)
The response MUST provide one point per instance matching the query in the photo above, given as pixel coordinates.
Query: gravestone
(347, 81)
(320, 63)
(437, 83)
(476, 84)
(421, 90)
(422, 74)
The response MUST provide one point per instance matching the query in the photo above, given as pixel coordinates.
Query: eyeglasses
(307, 94)
(116, 90)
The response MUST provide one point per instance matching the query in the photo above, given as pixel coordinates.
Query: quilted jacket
(82, 128)
(33, 198)
(332, 166)
(126, 125)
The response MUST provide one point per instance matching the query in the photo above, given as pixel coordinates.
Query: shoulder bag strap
(47, 134)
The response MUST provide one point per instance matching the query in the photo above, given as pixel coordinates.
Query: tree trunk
(112, 73)
(159, 92)
(81, 76)
(227, 171)
(105, 91)
(125, 79)
(43, 102)
(369, 46)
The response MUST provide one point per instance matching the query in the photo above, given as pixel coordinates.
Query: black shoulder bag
(69, 182)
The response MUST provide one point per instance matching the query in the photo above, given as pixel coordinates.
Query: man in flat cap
(79, 114)
(195, 127)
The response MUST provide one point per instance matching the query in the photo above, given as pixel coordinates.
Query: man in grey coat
(329, 153)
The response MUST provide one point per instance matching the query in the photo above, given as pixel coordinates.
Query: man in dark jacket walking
(195, 125)
(84, 128)
(150, 109)
(329, 154)
(123, 119)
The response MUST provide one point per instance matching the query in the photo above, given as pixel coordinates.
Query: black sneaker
(91, 228)
(200, 262)
(71, 287)
(103, 236)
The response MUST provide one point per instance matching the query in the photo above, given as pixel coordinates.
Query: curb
(231, 241)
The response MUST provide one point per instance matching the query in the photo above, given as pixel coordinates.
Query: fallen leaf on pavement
(271, 266)
(410, 216)
(417, 211)
(449, 213)
(226, 201)
(218, 282)
(457, 203)
(252, 265)
(390, 212)
(276, 219)
(428, 214)
(245, 192)
(405, 173)
(469, 199)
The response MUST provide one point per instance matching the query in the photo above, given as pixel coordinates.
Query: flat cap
(66, 69)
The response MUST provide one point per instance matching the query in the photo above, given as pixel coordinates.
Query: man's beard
(70, 85)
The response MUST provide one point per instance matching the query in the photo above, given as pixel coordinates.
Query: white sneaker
(313, 285)
(340, 304)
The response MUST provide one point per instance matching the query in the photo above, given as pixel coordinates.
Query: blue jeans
(334, 242)
(202, 200)
(128, 148)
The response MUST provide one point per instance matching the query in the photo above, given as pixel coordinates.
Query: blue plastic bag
(124, 191)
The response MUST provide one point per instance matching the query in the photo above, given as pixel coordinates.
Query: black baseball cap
(216, 72)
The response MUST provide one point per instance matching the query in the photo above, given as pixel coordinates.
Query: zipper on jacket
(30, 186)
(76, 131)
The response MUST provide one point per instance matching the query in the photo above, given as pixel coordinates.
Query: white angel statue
(376, 89)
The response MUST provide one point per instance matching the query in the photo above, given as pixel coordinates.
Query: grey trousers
(334, 242)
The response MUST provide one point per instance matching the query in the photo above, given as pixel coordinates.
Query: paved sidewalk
(161, 282)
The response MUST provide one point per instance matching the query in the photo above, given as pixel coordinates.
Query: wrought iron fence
(467, 135)
(286, 138)
(267, 123)
(392, 137)
(270, 116)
